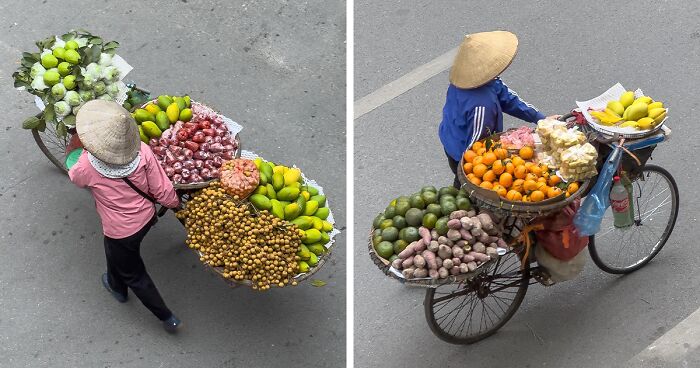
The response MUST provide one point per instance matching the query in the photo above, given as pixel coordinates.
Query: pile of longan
(246, 244)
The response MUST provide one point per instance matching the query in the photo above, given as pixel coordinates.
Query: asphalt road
(567, 52)
(276, 67)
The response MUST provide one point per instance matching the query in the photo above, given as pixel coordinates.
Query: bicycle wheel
(53, 146)
(624, 250)
(468, 312)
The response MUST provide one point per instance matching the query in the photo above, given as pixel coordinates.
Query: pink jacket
(123, 211)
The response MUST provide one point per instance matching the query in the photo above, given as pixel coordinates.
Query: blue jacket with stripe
(472, 114)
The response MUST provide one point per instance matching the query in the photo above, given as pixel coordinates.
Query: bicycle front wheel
(625, 250)
(53, 146)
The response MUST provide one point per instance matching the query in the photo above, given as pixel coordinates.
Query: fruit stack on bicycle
(533, 203)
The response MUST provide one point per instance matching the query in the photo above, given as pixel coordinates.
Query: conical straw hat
(108, 131)
(482, 57)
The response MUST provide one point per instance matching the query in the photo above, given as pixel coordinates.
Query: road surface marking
(674, 345)
(411, 79)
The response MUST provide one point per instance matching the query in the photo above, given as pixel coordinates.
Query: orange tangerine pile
(514, 177)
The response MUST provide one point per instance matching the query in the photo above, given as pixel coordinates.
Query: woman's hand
(555, 117)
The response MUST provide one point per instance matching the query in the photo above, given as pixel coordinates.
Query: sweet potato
(425, 234)
(420, 273)
(447, 263)
(409, 251)
(471, 213)
(458, 214)
(430, 259)
(463, 268)
(457, 261)
(481, 257)
(461, 243)
(457, 251)
(433, 246)
(408, 262)
(476, 222)
(454, 271)
(468, 258)
(454, 235)
(467, 223)
(419, 261)
(502, 243)
(443, 272)
(484, 238)
(491, 252)
(438, 260)
(486, 221)
(434, 234)
(492, 245)
(454, 224)
(445, 240)
(397, 263)
(433, 274)
(444, 252)
(408, 273)
(476, 232)
(471, 266)
(419, 246)
(479, 247)
(466, 235)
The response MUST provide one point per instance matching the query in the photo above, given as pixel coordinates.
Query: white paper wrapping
(252, 156)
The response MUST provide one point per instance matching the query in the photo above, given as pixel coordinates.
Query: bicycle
(472, 310)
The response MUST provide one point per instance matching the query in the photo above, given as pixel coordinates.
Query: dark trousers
(125, 269)
(453, 166)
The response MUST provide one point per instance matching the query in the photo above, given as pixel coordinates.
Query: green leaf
(31, 123)
(69, 120)
(61, 130)
(318, 283)
(42, 126)
(95, 41)
(29, 56)
(28, 62)
(489, 143)
(21, 83)
(49, 115)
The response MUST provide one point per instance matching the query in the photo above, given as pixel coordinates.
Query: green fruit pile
(157, 116)
(397, 226)
(282, 192)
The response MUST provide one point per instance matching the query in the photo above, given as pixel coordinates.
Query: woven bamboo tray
(490, 200)
(385, 266)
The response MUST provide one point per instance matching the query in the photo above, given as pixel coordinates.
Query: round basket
(385, 266)
(204, 184)
(490, 200)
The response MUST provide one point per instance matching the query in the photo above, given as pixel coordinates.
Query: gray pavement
(276, 67)
(567, 52)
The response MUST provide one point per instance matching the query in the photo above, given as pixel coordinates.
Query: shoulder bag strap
(139, 191)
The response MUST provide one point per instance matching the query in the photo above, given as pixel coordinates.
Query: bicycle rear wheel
(471, 311)
(625, 250)
(53, 146)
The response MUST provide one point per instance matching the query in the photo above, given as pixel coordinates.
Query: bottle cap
(616, 179)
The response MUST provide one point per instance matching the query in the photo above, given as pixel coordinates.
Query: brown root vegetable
(492, 245)
(438, 260)
(433, 246)
(433, 274)
(419, 246)
(466, 235)
(420, 273)
(408, 273)
(430, 259)
(476, 232)
(458, 214)
(480, 257)
(493, 239)
(447, 263)
(409, 251)
(457, 251)
(444, 240)
(397, 263)
(434, 234)
(471, 213)
(454, 224)
(453, 235)
(443, 272)
(419, 261)
(456, 261)
(486, 221)
(468, 258)
(484, 238)
(491, 252)
(471, 266)
(467, 223)
(463, 268)
(479, 247)
(408, 262)
(454, 271)
(476, 222)
(444, 252)
(502, 243)
(461, 243)
(425, 234)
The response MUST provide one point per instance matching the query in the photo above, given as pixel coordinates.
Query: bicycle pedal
(543, 278)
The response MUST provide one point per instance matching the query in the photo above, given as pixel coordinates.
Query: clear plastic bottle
(620, 203)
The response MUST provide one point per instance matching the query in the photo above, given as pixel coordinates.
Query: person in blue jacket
(477, 98)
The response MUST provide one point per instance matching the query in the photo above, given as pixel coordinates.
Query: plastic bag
(591, 213)
(559, 237)
(561, 270)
